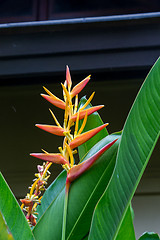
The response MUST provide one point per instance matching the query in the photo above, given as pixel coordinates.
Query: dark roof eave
(44, 25)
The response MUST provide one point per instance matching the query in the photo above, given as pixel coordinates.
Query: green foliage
(126, 230)
(149, 236)
(12, 214)
(83, 196)
(4, 232)
(139, 137)
(99, 203)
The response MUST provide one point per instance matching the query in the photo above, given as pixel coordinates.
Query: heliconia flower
(51, 157)
(55, 101)
(79, 169)
(68, 78)
(82, 138)
(78, 88)
(89, 111)
(51, 129)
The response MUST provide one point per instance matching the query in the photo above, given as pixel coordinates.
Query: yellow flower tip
(22, 205)
(88, 101)
(67, 94)
(77, 170)
(68, 77)
(54, 117)
(66, 167)
(47, 91)
(82, 138)
(56, 130)
(82, 113)
(78, 88)
(51, 157)
(55, 101)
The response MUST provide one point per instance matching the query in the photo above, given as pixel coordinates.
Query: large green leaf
(127, 230)
(149, 236)
(12, 214)
(51, 193)
(83, 196)
(139, 137)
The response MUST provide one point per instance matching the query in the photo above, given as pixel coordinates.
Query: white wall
(146, 214)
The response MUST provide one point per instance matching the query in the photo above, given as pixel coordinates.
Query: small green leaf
(13, 215)
(126, 231)
(149, 236)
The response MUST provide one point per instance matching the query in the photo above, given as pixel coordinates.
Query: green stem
(65, 209)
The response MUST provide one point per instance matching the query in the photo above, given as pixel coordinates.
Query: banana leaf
(12, 214)
(139, 136)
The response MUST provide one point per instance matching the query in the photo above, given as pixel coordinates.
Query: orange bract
(55, 101)
(59, 131)
(89, 111)
(79, 169)
(84, 137)
(51, 157)
(78, 88)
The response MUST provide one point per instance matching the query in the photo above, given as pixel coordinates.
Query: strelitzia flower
(73, 136)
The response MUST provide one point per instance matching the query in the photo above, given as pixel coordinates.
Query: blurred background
(116, 42)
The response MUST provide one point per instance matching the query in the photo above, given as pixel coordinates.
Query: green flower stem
(65, 209)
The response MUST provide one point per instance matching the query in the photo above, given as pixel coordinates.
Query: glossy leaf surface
(149, 236)
(83, 196)
(127, 230)
(12, 214)
(139, 137)
(51, 194)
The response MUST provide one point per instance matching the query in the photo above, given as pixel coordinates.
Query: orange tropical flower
(73, 135)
